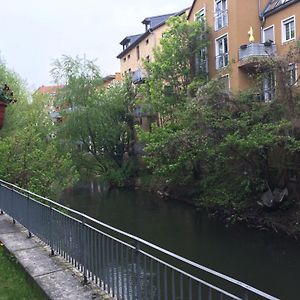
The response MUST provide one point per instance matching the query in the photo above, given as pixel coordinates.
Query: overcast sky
(34, 32)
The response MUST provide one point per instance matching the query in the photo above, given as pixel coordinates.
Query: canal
(263, 260)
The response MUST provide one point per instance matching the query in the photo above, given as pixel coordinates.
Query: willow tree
(97, 122)
(29, 154)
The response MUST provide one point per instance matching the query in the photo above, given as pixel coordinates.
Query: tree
(97, 124)
(30, 155)
(220, 145)
(169, 77)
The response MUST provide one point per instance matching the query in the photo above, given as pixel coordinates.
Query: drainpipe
(262, 20)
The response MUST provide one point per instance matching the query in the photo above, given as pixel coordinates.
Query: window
(221, 14)
(268, 87)
(138, 52)
(124, 59)
(147, 41)
(147, 58)
(128, 57)
(201, 62)
(200, 15)
(288, 29)
(225, 83)
(222, 52)
(268, 34)
(292, 75)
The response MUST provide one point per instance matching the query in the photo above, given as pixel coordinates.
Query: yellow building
(244, 29)
(139, 47)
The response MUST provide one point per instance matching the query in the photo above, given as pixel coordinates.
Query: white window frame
(203, 9)
(283, 29)
(227, 75)
(264, 29)
(222, 14)
(268, 91)
(218, 54)
(290, 69)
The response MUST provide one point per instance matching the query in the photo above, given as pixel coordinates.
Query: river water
(264, 260)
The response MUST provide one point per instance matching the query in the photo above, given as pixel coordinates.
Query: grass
(14, 282)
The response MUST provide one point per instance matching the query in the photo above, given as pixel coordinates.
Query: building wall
(132, 63)
(293, 10)
(241, 15)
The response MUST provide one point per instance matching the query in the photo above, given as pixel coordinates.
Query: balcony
(138, 76)
(249, 54)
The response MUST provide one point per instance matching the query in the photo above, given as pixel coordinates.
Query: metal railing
(125, 266)
(257, 50)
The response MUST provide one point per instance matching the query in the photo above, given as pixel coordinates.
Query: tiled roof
(49, 89)
(275, 5)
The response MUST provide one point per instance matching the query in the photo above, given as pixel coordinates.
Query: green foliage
(220, 145)
(30, 155)
(14, 283)
(98, 123)
(169, 76)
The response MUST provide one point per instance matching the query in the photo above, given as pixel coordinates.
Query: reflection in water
(263, 260)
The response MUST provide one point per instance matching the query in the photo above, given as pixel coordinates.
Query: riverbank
(285, 220)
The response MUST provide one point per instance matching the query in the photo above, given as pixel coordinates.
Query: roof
(154, 22)
(131, 39)
(49, 89)
(274, 6)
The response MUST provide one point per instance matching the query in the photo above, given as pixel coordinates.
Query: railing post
(83, 247)
(51, 230)
(137, 258)
(12, 205)
(28, 219)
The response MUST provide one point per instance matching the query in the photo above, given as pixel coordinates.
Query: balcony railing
(257, 50)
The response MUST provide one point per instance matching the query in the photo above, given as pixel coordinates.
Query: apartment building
(111, 79)
(245, 29)
(139, 47)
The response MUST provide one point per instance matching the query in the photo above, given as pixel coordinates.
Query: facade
(137, 48)
(242, 30)
(52, 91)
(111, 79)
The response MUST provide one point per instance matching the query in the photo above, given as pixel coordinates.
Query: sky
(36, 32)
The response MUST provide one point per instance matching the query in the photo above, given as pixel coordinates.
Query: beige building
(244, 29)
(137, 48)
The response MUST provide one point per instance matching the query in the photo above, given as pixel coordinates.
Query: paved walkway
(57, 278)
